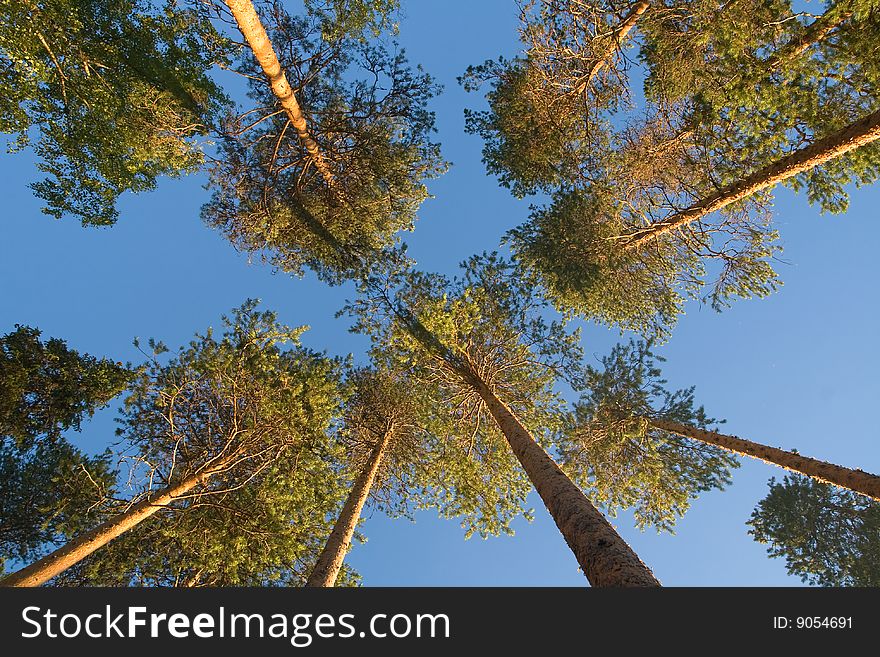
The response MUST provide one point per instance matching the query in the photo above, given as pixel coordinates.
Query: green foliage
(50, 492)
(828, 536)
(568, 247)
(532, 141)
(547, 127)
(357, 18)
(267, 533)
(729, 89)
(621, 460)
(50, 489)
(442, 332)
(367, 111)
(47, 388)
(571, 247)
(239, 400)
(383, 402)
(252, 408)
(759, 79)
(116, 94)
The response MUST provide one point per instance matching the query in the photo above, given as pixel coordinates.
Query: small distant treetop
(828, 536)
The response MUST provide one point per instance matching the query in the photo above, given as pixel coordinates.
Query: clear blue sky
(796, 370)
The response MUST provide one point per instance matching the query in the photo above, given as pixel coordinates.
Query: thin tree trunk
(76, 550)
(814, 33)
(858, 134)
(857, 481)
(192, 580)
(602, 554)
(617, 39)
(255, 34)
(329, 564)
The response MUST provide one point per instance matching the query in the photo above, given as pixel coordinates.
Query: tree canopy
(731, 95)
(113, 95)
(614, 452)
(367, 117)
(486, 319)
(828, 536)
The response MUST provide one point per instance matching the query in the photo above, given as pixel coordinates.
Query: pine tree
(266, 533)
(216, 417)
(50, 488)
(660, 202)
(113, 94)
(381, 433)
(615, 449)
(47, 388)
(481, 345)
(406, 452)
(632, 428)
(828, 536)
(329, 166)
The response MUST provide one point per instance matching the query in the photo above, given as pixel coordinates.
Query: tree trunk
(617, 38)
(815, 32)
(602, 554)
(329, 564)
(255, 34)
(858, 134)
(79, 548)
(857, 481)
(191, 580)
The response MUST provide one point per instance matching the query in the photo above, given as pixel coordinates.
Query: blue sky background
(796, 370)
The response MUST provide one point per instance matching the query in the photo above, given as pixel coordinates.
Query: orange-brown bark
(626, 25)
(330, 561)
(605, 558)
(857, 481)
(255, 34)
(76, 550)
(839, 143)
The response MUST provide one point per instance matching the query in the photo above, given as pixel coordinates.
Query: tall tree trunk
(255, 34)
(857, 481)
(602, 554)
(858, 134)
(82, 546)
(329, 564)
(617, 39)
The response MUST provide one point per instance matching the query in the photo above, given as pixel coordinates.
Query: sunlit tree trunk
(605, 558)
(814, 33)
(76, 550)
(620, 34)
(857, 481)
(329, 564)
(858, 134)
(192, 580)
(255, 34)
